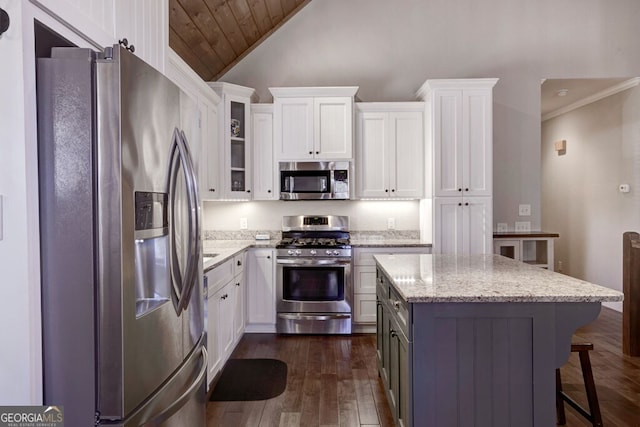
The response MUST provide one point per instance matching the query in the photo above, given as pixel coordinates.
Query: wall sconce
(561, 147)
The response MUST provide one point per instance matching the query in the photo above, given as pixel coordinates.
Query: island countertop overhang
(421, 278)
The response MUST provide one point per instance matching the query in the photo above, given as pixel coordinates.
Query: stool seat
(593, 415)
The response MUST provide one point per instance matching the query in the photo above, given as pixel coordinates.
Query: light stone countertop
(382, 243)
(484, 278)
(225, 249)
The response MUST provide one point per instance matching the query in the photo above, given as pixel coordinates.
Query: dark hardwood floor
(333, 381)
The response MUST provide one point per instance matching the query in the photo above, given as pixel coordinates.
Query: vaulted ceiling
(213, 35)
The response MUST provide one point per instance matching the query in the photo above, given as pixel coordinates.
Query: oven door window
(305, 181)
(313, 283)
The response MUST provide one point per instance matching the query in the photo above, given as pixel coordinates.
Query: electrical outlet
(524, 210)
(391, 223)
(243, 223)
(523, 226)
(503, 227)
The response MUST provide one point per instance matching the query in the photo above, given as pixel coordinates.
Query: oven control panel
(318, 252)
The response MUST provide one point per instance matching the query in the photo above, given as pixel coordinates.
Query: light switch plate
(523, 226)
(391, 223)
(503, 227)
(243, 223)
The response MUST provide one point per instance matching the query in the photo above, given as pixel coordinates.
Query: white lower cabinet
(225, 311)
(261, 291)
(364, 283)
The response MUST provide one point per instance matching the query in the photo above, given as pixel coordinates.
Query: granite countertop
(225, 249)
(381, 243)
(484, 278)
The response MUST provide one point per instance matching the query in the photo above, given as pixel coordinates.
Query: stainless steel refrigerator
(122, 297)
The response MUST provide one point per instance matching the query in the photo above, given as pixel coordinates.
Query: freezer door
(148, 237)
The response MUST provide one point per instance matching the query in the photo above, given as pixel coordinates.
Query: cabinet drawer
(238, 263)
(364, 308)
(219, 276)
(382, 287)
(364, 279)
(400, 310)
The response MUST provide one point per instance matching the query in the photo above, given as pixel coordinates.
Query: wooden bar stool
(594, 416)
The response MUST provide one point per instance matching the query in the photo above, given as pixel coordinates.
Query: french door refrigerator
(122, 297)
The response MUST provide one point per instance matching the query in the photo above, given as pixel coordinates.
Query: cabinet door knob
(239, 262)
(466, 189)
(268, 191)
(238, 284)
(212, 190)
(386, 190)
(459, 189)
(310, 152)
(460, 204)
(268, 256)
(396, 305)
(393, 190)
(248, 191)
(394, 333)
(466, 203)
(317, 152)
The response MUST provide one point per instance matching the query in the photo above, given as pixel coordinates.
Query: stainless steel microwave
(314, 180)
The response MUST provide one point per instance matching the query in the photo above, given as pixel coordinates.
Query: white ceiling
(578, 89)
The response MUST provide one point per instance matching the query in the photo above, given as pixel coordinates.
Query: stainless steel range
(314, 288)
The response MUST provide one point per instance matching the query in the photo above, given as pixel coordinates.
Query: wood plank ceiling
(213, 35)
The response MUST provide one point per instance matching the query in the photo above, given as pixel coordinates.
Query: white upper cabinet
(264, 182)
(145, 25)
(93, 19)
(313, 123)
(462, 123)
(333, 127)
(204, 141)
(293, 128)
(390, 158)
(234, 121)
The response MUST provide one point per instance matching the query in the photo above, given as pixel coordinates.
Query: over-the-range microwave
(314, 180)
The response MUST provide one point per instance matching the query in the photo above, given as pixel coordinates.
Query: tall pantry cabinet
(460, 125)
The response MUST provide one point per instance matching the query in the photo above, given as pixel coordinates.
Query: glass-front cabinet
(235, 139)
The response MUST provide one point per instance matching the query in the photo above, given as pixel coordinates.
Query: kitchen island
(475, 340)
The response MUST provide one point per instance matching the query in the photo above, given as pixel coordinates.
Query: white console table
(531, 247)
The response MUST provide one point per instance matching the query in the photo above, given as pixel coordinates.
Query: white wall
(19, 350)
(363, 215)
(389, 48)
(580, 196)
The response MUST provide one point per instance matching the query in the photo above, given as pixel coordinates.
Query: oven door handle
(312, 261)
(323, 316)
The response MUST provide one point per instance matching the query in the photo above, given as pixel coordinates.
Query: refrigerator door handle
(191, 273)
(175, 273)
(182, 282)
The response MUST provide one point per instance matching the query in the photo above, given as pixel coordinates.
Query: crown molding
(627, 84)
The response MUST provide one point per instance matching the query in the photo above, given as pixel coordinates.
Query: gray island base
(475, 340)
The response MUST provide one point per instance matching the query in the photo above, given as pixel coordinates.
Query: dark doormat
(250, 379)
